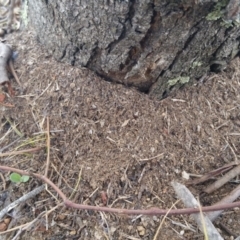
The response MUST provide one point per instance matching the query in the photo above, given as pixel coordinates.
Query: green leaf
(15, 177)
(24, 178)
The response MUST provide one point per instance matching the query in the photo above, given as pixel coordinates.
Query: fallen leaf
(4, 224)
(104, 198)
(2, 97)
(10, 89)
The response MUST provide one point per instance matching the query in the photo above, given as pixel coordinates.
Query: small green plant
(17, 178)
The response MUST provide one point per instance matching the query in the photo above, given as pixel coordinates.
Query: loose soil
(113, 140)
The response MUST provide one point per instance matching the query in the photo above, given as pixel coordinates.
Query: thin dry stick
(87, 199)
(46, 217)
(231, 197)
(150, 212)
(61, 176)
(234, 154)
(30, 141)
(129, 237)
(226, 229)
(213, 173)
(20, 152)
(9, 145)
(43, 91)
(22, 199)
(7, 133)
(48, 148)
(105, 222)
(3, 180)
(76, 187)
(160, 225)
(14, 127)
(187, 226)
(16, 228)
(27, 225)
(51, 194)
(226, 178)
(204, 228)
(151, 158)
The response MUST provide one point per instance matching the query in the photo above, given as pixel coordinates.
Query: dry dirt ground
(113, 140)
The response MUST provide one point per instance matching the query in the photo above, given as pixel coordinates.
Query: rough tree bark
(154, 45)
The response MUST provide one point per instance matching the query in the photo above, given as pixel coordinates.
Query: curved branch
(151, 211)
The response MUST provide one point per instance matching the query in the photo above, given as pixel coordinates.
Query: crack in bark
(64, 52)
(93, 59)
(131, 12)
(112, 45)
(124, 32)
(189, 40)
(137, 42)
(135, 52)
(154, 27)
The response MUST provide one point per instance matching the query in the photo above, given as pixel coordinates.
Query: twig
(213, 173)
(52, 131)
(118, 199)
(24, 198)
(20, 152)
(46, 217)
(226, 229)
(128, 237)
(14, 72)
(7, 105)
(9, 145)
(7, 133)
(14, 127)
(187, 227)
(43, 91)
(150, 212)
(76, 187)
(48, 148)
(61, 176)
(27, 225)
(220, 182)
(3, 180)
(151, 158)
(165, 216)
(204, 224)
(234, 154)
(127, 182)
(141, 175)
(228, 199)
(106, 229)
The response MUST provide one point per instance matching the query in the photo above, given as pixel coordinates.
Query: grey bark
(154, 45)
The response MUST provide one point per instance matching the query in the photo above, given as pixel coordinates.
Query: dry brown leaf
(4, 224)
(2, 97)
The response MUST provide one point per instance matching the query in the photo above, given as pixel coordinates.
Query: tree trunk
(154, 45)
